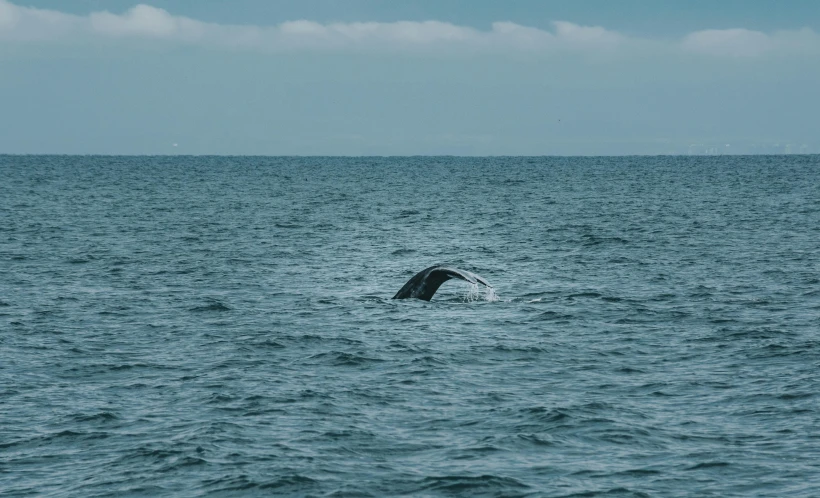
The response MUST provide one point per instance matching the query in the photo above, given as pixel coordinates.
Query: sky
(367, 77)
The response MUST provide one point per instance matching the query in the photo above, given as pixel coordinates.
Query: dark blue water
(190, 326)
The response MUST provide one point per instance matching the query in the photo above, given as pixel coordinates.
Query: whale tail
(426, 282)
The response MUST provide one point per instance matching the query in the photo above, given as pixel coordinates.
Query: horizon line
(39, 154)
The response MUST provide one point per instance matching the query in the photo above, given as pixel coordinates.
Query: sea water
(191, 326)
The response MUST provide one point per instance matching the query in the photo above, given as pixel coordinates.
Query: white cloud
(746, 43)
(147, 22)
(143, 20)
(368, 35)
(731, 42)
(587, 35)
(22, 24)
(28, 24)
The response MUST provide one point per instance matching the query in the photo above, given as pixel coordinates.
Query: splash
(476, 292)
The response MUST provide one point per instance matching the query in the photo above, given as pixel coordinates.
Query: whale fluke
(426, 282)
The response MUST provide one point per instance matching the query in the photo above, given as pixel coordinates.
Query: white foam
(476, 292)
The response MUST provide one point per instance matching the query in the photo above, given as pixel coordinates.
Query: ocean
(223, 326)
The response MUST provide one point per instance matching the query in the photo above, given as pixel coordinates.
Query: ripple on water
(190, 326)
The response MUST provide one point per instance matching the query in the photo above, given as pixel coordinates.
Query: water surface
(191, 326)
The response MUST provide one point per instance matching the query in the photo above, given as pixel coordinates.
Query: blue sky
(426, 77)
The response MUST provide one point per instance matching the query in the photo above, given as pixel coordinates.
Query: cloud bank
(20, 24)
